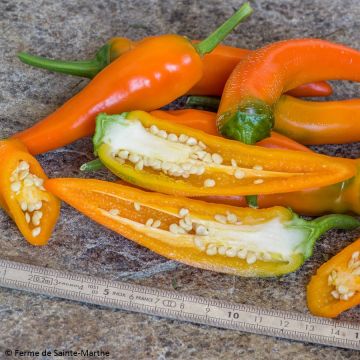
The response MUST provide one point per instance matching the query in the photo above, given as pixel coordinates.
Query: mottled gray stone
(73, 30)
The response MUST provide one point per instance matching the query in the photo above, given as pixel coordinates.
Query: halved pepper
(22, 194)
(336, 285)
(162, 156)
(240, 241)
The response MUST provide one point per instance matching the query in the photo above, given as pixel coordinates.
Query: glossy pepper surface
(313, 123)
(162, 156)
(217, 67)
(240, 241)
(336, 285)
(157, 71)
(256, 84)
(22, 195)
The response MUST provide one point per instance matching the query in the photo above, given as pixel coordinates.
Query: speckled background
(74, 29)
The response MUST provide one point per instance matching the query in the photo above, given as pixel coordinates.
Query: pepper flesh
(217, 66)
(246, 242)
(242, 169)
(22, 195)
(313, 123)
(156, 72)
(336, 285)
(256, 84)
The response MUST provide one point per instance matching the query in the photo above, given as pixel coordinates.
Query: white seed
(242, 253)
(120, 161)
(266, 256)
(149, 222)
(23, 205)
(201, 154)
(201, 230)
(350, 294)
(114, 212)
(335, 294)
(239, 174)
(157, 164)
(209, 183)
(258, 167)
(211, 250)
(233, 163)
(173, 137)
(13, 178)
(342, 289)
(230, 252)
(123, 154)
(166, 165)
(231, 218)
(183, 138)
(139, 165)
(185, 175)
(217, 159)
(28, 181)
(156, 224)
(251, 258)
(188, 220)
(355, 255)
(38, 181)
(330, 279)
(193, 170)
(162, 133)
(258, 181)
(38, 214)
(31, 207)
(24, 165)
(200, 170)
(137, 206)
(35, 232)
(173, 228)
(154, 129)
(222, 250)
(191, 141)
(186, 166)
(220, 218)
(23, 174)
(35, 221)
(38, 205)
(134, 158)
(183, 212)
(194, 156)
(356, 271)
(208, 159)
(184, 225)
(27, 218)
(344, 297)
(202, 145)
(199, 243)
(15, 186)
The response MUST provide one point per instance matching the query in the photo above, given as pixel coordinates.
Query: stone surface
(74, 29)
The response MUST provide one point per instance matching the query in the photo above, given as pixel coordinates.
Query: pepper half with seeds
(336, 285)
(22, 194)
(166, 157)
(241, 241)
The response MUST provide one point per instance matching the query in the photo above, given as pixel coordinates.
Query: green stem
(87, 68)
(92, 165)
(252, 201)
(209, 102)
(210, 43)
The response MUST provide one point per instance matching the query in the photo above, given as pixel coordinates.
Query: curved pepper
(336, 285)
(246, 242)
(156, 72)
(217, 67)
(256, 84)
(162, 156)
(312, 123)
(22, 195)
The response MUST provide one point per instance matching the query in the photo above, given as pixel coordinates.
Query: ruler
(179, 306)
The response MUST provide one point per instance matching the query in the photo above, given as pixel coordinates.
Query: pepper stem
(209, 102)
(88, 68)
(92, 165)
(210, 43)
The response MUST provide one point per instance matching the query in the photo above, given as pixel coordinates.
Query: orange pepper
(312, 123)
(256, 84)
(217, 67)
(22, 195)
(138, 148)
(336, 285)
(156, 72)
(210, 236)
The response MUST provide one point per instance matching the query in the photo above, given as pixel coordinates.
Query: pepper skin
(22, 195)
(217, 66)
(336, 285)
(314, 123)
(156, 72)
(162, 156)
(256, 84)
(240, 241)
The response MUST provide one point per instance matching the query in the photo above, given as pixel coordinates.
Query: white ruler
(179, 306)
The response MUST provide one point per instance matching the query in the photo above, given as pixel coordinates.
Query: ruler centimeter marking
(179, 306)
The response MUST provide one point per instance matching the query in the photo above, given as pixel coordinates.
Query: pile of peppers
(216, 190)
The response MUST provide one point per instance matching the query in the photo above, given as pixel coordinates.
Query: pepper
(156, 72)
(313, 123)
(240, 241)
(162, 156)
(22, 195)
(256, 84)
(336, 285)
(217, 67)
